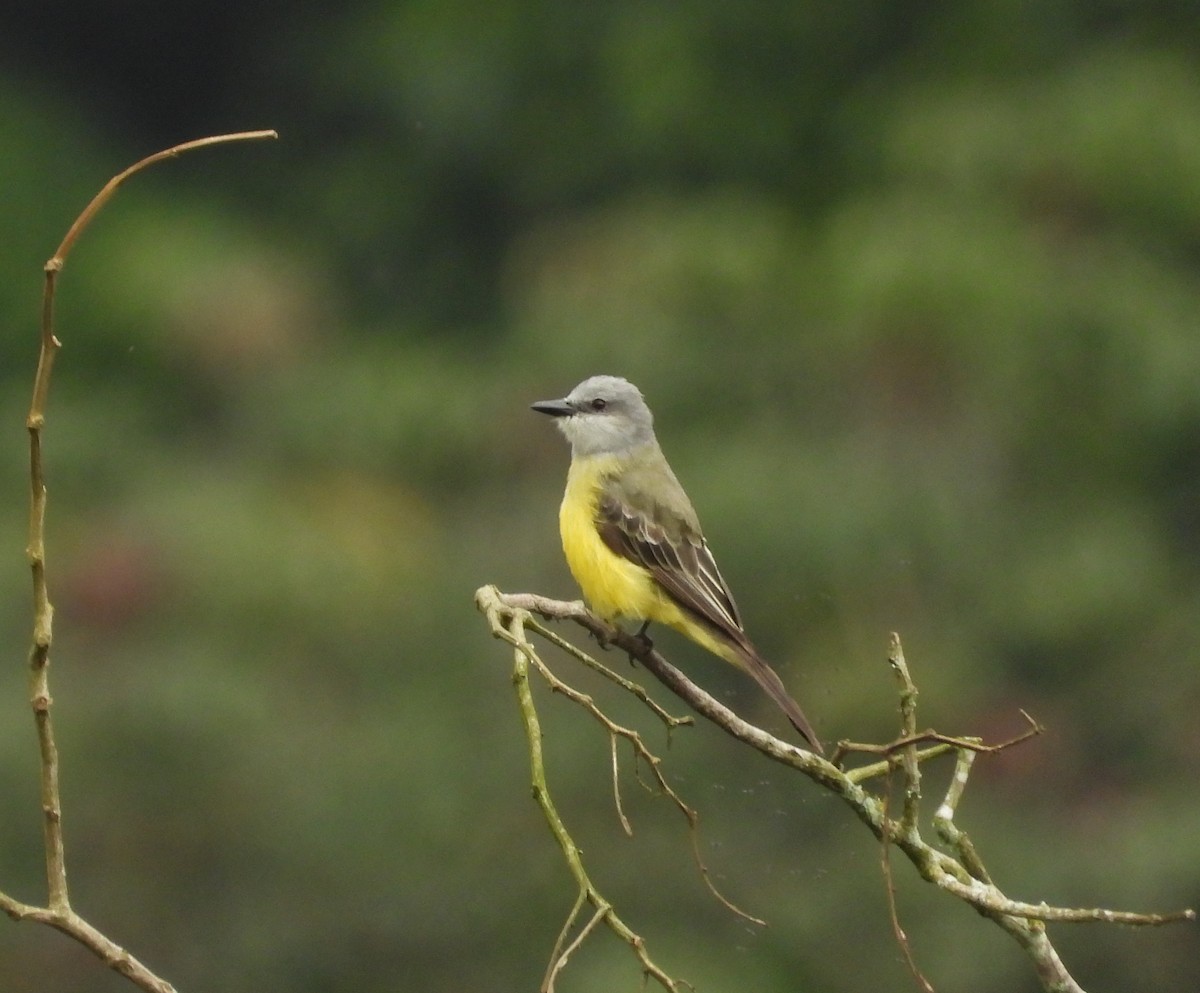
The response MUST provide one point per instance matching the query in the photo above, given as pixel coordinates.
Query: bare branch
(509, 628)
(898, 932)
(962, 873)
(58, 912)
(107, 950)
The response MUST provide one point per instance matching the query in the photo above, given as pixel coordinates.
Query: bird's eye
(599, 403)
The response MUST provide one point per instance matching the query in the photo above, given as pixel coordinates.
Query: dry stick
(911, 766)
(523, 655)
(522, 620)
(58, 913)
(964, 879)
(898, 932)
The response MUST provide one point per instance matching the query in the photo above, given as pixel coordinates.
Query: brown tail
(769, 680)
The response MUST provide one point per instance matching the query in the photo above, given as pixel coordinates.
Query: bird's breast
(612, 585)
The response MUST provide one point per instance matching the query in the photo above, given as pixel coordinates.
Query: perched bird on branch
(633, 541)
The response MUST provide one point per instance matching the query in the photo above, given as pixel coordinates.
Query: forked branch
(957, 869)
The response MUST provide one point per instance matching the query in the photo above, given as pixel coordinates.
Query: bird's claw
(644, 640)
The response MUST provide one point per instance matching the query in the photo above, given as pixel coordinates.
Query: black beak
(555, 408)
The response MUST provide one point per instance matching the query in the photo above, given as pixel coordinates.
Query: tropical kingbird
(633, 541)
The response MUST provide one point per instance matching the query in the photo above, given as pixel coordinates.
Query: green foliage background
(914, 291)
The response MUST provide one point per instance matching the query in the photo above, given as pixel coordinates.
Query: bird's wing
(670, 546)
(676, 555)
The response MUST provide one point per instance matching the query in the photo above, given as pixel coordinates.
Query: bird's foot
(643, 639)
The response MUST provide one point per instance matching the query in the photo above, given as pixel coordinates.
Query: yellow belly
(613, 586)
(616, 588)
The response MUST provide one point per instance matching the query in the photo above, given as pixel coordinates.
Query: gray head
(603, 415)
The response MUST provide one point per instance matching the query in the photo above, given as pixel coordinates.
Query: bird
(632, 539)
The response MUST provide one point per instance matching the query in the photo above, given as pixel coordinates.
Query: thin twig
(523, 656)
(616, 781)
(889, 887)
(642, 754)
(909, 762)
(58, 912)
(944, 743)
(562, 954)
(908, 731)
(943, 820)
(107, 950)
(628, 685)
